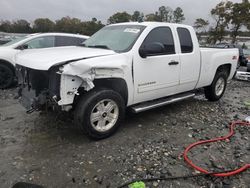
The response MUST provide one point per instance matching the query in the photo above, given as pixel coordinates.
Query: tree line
(163, 14)
(75, 25)
(65, 24)
(228, 17)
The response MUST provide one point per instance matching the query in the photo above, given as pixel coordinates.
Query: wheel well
(225, 67)
(8, 64)
(117, 84)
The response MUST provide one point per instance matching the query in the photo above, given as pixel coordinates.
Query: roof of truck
(58, 34)
(153, 24)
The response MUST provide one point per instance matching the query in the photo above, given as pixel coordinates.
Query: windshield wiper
(99, 46)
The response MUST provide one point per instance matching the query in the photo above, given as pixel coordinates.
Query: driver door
(157, 75)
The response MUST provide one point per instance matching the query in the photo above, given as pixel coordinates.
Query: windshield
(14, 41)
(119, 38)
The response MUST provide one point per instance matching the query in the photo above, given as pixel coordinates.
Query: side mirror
(151, 49)
(143, 52)
(23, 47)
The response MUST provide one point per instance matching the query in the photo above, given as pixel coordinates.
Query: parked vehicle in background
(130, 65)
(247, 54)
(248, 66)
(242, 57)
(4, 41)
(224, 45)
(32, 41)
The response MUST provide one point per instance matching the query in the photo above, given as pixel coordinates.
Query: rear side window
(185, 40)
(161, 35)
(68, 41)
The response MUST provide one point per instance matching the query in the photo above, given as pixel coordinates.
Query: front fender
(84, 72)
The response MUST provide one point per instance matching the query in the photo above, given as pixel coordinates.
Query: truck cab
(168, 61)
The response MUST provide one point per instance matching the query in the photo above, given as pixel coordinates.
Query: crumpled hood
(44, 59)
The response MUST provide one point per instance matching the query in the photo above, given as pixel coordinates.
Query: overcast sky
(101, 9)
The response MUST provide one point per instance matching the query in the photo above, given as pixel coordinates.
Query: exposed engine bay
(41, 89)
(38, 88)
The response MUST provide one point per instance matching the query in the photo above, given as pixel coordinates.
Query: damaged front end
(58, 86)
(41, 90)
(38, 89)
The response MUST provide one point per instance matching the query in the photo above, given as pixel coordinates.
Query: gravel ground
(46, 149)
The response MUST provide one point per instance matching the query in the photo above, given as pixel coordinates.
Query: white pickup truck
(138, 66)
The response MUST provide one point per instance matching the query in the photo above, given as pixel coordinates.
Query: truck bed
(211, 59)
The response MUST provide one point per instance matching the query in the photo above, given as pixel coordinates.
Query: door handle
(173, 63)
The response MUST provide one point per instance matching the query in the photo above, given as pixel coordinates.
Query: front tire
(217, 89)
(6, 76)
(99, 113)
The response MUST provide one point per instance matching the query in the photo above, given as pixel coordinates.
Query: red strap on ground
(230, 173)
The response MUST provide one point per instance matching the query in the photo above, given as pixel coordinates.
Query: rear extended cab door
(190, 60)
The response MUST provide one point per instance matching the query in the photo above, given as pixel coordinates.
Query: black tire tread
(88, 99)
(210, 90)
(12, 76)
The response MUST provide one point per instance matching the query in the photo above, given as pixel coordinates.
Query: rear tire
(99, 113)
(6, 76)
(217, 89)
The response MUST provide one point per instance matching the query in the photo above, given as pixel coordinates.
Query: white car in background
(9, 50)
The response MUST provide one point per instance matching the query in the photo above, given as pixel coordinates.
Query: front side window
(41, 42)
(119, 38)
(185, 40)
(162, 36)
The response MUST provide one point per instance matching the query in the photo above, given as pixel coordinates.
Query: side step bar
(161, 102)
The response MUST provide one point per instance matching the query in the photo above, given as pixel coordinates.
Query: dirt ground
(46, 149)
